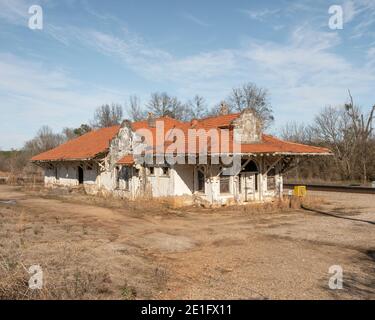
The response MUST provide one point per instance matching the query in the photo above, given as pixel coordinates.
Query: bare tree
(197, 107)
(296, 132)
(251, 96)
(362, 129)
(71, 133)
(216, 109)
(333, 128)
(161, 105)
(348, 132)
(134, 109)
(108, 115)
(5, 160)
(45, 140)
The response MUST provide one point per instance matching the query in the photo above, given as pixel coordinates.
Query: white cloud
(364, 10)
(15, 11)
(306, 72)
(350, 11)
(304, 36)
(371, 58)
(362, 29)
(150, 62)
(302, 73)
(278, 27)
(305, 67)
(259, 15)
(35, 95)
(195, 20)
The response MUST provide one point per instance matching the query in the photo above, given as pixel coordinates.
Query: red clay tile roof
(168, 123)
(126, 160)
(217, 121)
(268, 145)
(271, 144)
(86, 146)
(96, 142)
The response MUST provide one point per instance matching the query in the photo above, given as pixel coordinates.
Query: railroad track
(332, 188)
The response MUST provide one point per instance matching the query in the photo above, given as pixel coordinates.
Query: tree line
(159, 104)
(248, 95)
(347, 130)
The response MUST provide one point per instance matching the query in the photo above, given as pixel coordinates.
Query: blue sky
(94, 52)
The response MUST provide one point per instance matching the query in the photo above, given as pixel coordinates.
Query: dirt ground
(96, 249)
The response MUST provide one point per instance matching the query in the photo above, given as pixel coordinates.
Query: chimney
(126, 123)
(151, 120)
(193, 123)
(223, 109)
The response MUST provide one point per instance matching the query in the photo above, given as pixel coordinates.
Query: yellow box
(299, 191)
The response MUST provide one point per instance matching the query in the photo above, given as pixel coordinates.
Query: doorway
(201, 181)
(80, 175)
(249, 182)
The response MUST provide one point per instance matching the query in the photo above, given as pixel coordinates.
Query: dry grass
(72, 284)
(64, 274)
(276, 206)
(106, 248)
(65, 249)
(140, 206)
(314, 202)
(74, 253)
(28, 180)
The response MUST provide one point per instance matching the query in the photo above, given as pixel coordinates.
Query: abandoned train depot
(109, 160)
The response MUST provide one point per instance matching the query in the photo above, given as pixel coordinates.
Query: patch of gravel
(168, 242)
(8, 201)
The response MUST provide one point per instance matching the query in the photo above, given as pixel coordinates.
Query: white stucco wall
(49, 176)
(67, 175)
(104, 180)
(161, 185)
(180, 180)
(183, 179)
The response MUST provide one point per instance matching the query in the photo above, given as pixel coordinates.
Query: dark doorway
(201, 181)
(117, 173)
(80, 175)
(251, 166)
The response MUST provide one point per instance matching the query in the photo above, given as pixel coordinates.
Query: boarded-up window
(271, 181)
(117, 176)
(201, 181)
(136, 172)
(224, 184)
(165, 171)
(126, 175)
